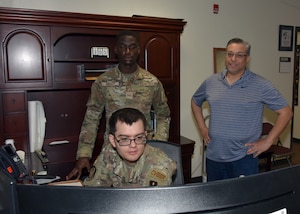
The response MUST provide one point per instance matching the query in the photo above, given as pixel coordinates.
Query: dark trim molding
(295, 140)
(30, 16)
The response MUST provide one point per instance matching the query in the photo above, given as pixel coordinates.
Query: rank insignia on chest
(129, 95)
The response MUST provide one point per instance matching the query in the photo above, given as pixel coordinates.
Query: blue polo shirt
(236, 112)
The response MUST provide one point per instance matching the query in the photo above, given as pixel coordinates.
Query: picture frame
(286, 34)
(219, 59)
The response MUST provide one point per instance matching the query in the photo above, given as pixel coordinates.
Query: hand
(258, 147)
(205, 136)
(80, 164)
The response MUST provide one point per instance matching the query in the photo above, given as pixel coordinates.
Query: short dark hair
(128, 33)
(240, 41)
(126, 115)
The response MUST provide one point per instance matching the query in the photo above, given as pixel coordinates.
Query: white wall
(255, 21)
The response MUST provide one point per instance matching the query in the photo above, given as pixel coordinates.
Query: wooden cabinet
(14, 118)
(25, 56)
(55, 56)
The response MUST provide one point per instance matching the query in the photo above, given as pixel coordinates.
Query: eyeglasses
(125, 141)
(237, 55)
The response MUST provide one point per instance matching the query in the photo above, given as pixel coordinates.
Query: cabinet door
(14, 118)
(25, 56)
(160, 56)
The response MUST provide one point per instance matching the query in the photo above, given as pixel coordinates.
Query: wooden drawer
(15, 123)
(13, 102)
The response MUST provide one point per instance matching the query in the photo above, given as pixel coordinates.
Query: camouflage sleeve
(100, 173)
(162, 111)
(89, 128)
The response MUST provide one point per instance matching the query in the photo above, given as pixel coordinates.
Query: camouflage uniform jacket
(112, 91)
(153, 167)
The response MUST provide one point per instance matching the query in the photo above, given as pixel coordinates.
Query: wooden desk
(187, 150)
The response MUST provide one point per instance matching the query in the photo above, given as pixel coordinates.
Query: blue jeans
(224, 170)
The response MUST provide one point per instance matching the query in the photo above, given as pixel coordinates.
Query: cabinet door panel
(158, 55)
(153, 56)
(15, 123)
(25, 55)
(13, 102)
(64, 110)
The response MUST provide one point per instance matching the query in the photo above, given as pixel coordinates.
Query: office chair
(277, 150)
(173, 151)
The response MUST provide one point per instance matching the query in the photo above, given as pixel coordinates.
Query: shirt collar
(242, 81)
(136, 74)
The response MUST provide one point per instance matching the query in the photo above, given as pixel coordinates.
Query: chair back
(173, 151)
(277, 150)
(267, 127)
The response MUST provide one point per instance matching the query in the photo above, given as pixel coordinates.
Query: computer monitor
(8, 194)
(277, 190)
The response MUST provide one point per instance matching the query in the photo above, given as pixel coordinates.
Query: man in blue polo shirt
(236, 100)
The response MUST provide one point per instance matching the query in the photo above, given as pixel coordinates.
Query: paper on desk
(46, 181)
(75, 182)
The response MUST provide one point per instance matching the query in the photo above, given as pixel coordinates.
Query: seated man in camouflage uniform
(128, 160)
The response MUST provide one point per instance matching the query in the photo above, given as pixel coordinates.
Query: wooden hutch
(41, 53)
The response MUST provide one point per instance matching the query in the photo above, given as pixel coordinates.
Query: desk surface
(34, 164)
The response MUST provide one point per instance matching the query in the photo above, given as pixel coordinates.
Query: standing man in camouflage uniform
(126, 85)
(128, 160)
